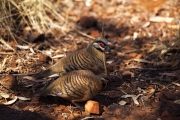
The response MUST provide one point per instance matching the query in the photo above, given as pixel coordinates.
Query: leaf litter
(143, 63)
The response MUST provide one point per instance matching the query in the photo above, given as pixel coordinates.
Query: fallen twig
(21, 74)
(84, 34)
(7, 45)
(7, 53)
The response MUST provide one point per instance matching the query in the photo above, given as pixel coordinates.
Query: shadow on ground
(7, 113)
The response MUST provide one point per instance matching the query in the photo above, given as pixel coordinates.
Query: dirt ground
(144, 63)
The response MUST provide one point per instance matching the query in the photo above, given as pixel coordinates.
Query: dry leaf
(128, 73)
(145, 24)
(126, 96)
(135, 67)
(3, 63)
(150, 90)
(122, 102)
(142, 60)
(23, 98)
(6, 44)
(54, 75)
(110, 61)
(176, 83)
(177, 101)
(161, 19)
(135, 35)
(133, 55)
(89, 118)
(134, 97)
(59, 56)
(32, 50)
(23, 47)
(4, 95)
(29, 78)
(174, 26)
(141, 90)
(88, 2)
(139, 56)
(11, 101)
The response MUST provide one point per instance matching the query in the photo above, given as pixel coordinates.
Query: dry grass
(39, 15)
(176, 4)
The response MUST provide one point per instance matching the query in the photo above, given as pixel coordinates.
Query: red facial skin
(102, 44)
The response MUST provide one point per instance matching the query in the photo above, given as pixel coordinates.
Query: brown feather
(76, 86)
(89, 58)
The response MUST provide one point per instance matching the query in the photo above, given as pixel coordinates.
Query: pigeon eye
(102, 44)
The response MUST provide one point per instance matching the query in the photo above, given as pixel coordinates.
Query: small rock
(93, 107)
(168, 94)
(165, 114)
